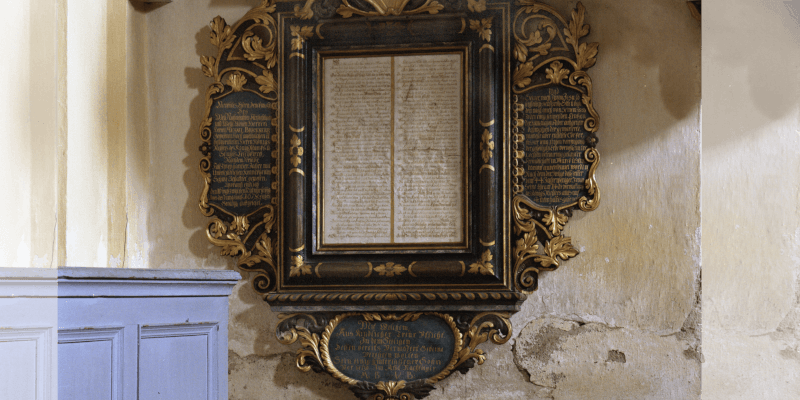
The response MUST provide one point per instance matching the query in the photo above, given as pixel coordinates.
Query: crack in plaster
(692, 328)
(54, 253)
(237, 362)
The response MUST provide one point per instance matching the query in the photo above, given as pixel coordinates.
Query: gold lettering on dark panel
(554, 144)
(241, 157)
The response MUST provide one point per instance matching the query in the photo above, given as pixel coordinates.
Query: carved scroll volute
(554, 126)
(241, 196)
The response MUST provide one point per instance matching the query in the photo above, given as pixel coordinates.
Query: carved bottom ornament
(392, 356)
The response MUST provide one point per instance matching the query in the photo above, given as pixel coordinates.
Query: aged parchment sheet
(393, 150)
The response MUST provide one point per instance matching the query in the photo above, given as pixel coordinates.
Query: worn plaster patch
(691, 331)
(256, 377)
(788, 330)
(593, 360)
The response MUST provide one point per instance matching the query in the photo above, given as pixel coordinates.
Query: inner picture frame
(374, 265)
(391, 138)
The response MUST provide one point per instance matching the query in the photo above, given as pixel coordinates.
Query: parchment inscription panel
(392, 146)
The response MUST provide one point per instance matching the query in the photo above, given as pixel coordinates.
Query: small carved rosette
(553, 136)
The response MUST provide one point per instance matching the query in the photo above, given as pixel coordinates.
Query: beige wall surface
(102, 103)
(751, 202)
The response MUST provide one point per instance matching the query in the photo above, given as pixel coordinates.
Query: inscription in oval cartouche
(555, 140)
(382, 351)
(241, 156)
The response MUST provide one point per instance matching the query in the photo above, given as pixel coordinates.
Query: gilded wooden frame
(511, 49)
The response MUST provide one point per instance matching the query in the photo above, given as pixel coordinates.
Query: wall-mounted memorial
(395, 174)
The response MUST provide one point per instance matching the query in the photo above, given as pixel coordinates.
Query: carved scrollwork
(249, 237)
(306, 328)
(388, 7)
(495, 327)
(314, 331)
(530, 248)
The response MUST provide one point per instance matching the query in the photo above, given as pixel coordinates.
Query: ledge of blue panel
(115, 282)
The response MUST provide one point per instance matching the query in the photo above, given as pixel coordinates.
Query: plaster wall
(101, 104)
(28, 111)
(751, 202)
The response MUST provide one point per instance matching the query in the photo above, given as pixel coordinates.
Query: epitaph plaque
(555, 140)
(241, 156)
(376, 351)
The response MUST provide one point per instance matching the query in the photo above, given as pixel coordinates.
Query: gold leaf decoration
(240, 225)
(585, 53)
(526, 247)
(483, 27)
(555, 221)
(306, 12)
(555, 73)
(236, 80)
(267, 82)
(476, 6)
(390, 269)
(522, 74)
(299, 267)
(255, 49)
(483, 266)
(301, 34)
(487, 145)
(558, 247)
(296, 151)
(310, 343)
(520, 51)
(388, 7)
(220, 33)
(209, 69)
(391, 388)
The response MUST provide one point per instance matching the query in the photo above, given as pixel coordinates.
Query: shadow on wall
(269, 356)
(648, 68)
(761, 47)
(192, 217)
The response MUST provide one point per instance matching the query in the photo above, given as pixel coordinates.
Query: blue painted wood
(99, 374)
(122, 334)
(178, 361)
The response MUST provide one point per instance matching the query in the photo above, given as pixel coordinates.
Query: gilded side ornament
(250, 236)
(548, 52)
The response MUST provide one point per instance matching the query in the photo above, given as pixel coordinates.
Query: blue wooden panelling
(178, 362)
(25, 362)
(122, 334)
(90, 364)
